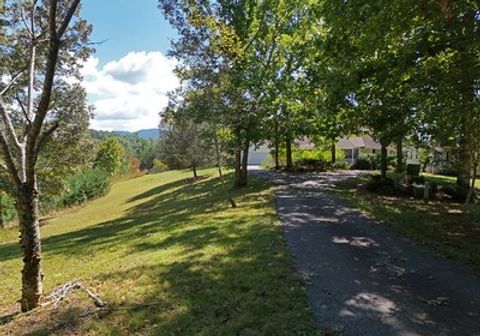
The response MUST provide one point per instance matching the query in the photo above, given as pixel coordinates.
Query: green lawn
(446, 227)
(172, 257)
(443, 180)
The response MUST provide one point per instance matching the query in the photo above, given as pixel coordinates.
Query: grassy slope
(208, 269)
(447, 228)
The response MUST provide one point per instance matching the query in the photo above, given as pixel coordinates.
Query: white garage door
(257, 157)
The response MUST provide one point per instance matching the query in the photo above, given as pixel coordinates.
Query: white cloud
(129, 93)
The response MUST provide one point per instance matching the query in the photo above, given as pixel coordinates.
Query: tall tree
(111, 156)
(181, 146)
(45, 42)
(230, 46)
(428, 49)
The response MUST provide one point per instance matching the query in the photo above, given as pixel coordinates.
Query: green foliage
(416, 179)
(317, 153)
(110, 157)
(310, 159)
(457, 193)
(159, 166)
(135, 146)
(365, 162)
(341, 165)
(382, 186)
(310, 154)
(7, 208)
(413, 170)
(89, 184)
(182, 145)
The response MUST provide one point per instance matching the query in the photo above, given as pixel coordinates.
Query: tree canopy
(277, 71)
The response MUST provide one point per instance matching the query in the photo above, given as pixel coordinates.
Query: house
(355, 147)
(257, 155)
(442, 160)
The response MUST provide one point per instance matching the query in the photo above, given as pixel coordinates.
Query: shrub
(416, 179)
(398, 178)
(449, 170)
(87, 185)
(434, 187)
(382, 186)
(310, 159)
(413, 170)
(50, 203)
(362, 164)
(457, 193)
(317, 153)
(341, 165)
(110, 157)
(159, 166)
(365, 162)
(134, 165)
(311, 164)
(7, 209)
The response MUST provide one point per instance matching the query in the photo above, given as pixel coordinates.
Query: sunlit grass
(174, 257)
(442, 179)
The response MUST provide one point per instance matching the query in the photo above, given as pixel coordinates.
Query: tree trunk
(244, 171)
(27, 208)
(217, 150)
(288, 145)
(467, 99)
(464, 164)
(194, 168)
(2, 223)
(400, 167)
(383, 161)
(333, 149)
(471, 193)
(238, 158)
(277, 148)
(241, 161)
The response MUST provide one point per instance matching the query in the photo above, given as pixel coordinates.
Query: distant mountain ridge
(152, 133)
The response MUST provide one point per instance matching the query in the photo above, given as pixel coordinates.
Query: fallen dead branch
(57, 295)
(61, 292)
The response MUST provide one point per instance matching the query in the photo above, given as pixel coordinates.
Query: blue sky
(128, 77)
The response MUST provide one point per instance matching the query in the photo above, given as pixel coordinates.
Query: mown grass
(445, 180)
(446, 227)
(172, 258)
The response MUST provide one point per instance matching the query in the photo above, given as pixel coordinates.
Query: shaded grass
(446, 227)
(164, 240)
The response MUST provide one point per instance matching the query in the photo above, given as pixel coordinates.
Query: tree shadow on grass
(161, 214)
(159, 190)
(233, 275)
(175, 201)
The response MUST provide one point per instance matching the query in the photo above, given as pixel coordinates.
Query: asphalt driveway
(362, 277)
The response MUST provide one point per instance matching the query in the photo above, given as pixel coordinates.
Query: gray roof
(358, 142)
